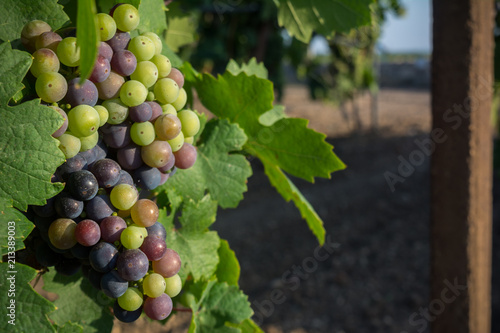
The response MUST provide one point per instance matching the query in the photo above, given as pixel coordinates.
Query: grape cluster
(125, 131)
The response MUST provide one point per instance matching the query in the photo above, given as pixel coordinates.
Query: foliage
(246, 123)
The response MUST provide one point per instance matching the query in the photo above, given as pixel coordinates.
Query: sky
(410, 33)
(407, 34)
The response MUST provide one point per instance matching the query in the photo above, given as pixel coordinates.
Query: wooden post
(461, 167)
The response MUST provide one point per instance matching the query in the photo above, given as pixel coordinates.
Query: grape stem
(182, 309)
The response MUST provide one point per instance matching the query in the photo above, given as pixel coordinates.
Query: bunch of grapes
(125, 133)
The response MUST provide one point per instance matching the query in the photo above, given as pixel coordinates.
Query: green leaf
(79, 302)
(181, 27)
(272, 116)
(290, 192)
(250, 68)
(70, 327)
(198, 216)
(87, 37)
(228, 269)
(30, 308)
(248, 326)
(14, 228)
(14, 14)
(219, 304)
(217, 171)
(28, 153)
(302, 17)
(153, 19)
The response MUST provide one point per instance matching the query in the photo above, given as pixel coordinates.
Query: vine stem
(182, 310)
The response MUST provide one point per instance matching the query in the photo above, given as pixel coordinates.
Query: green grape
(126, 17)
(132, 237)
(190, 122)
(44, 60)
(133, 93)
(123, 196)
(117, 111)
(156, 41)
(169, 109)
(62, 233)
(106, 26)
(151, 96)
(181, 100)
(69, 52)
(166, 91)
(173, 285)
(69, 144)
(156, 154)
(131, 300)
(51, 87)
(146, 73)
(142, 47)
(189, 140)
(31, 31)
(89, 142)
(163, 64)
(167, 126)
(83, 120)
(153, 285)
(103, 114)
(177, 142)
(142, 133)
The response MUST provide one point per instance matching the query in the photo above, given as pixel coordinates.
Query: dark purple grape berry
(82, 185)
(116, 136)
(111, 228)
(147, 178)
(130, 157)
(140, 113)
(103, 257)
(123, 62)
(132, 265)
(99, 208)
(78, 94)
(101, 70)
(107, 172)
(68, 207)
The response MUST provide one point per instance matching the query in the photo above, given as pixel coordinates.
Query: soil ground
(377, 272)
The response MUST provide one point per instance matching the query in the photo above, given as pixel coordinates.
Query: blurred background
(369, 92)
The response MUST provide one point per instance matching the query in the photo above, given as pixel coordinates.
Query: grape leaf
(28, 153)
(198, 216)
(270, 117)
(79, 302)
(219, 304)
(250, 68)
(181, 27)
(14, 14)
(30, 308)
(69, 327)
(228, 269)
(222, 174)
(19, 230)
(248, 326)
(87, 37)
(198, 250)
(302, 17)
(153, 19)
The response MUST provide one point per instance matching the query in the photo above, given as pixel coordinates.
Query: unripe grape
(51, 87)
(44, 60)
(83, 120)
(106, 26)
(133, 93)
(163, 64)
(69, 52)
(181, 100)
(166, 91)
(190, 122)
(156, 154)
(126, 17)
(144, 213)
(69, 144)
(142, 47)
(48, 40)
(31, 31)
(123, 196)
(62, 233)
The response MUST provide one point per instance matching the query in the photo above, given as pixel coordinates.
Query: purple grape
(125, 178)
(101, 151)
(82, 185)
(111, 228)
(87, 232)
(163, 178)
(107, 172)
(132, 265)
(156, 110)
(64, 126)
(112, 10)
(119, 41)
(101, 71)
(123, 62)
(154, 248)
(68, 266)
(105, 50)
(124, 315)
(186, 156)
(116, 136)
(68, 207)
(46, 210)
(157, 230)
(113, 285)
(177, 76)
(140, 113)
(73, 164)
(168, 265)
(85, 93)
(81, 252)
(103, 257)
(48, 40)
(147, 178)
(130, 157)
(158, 308)
(89, 155)
(99, 208)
